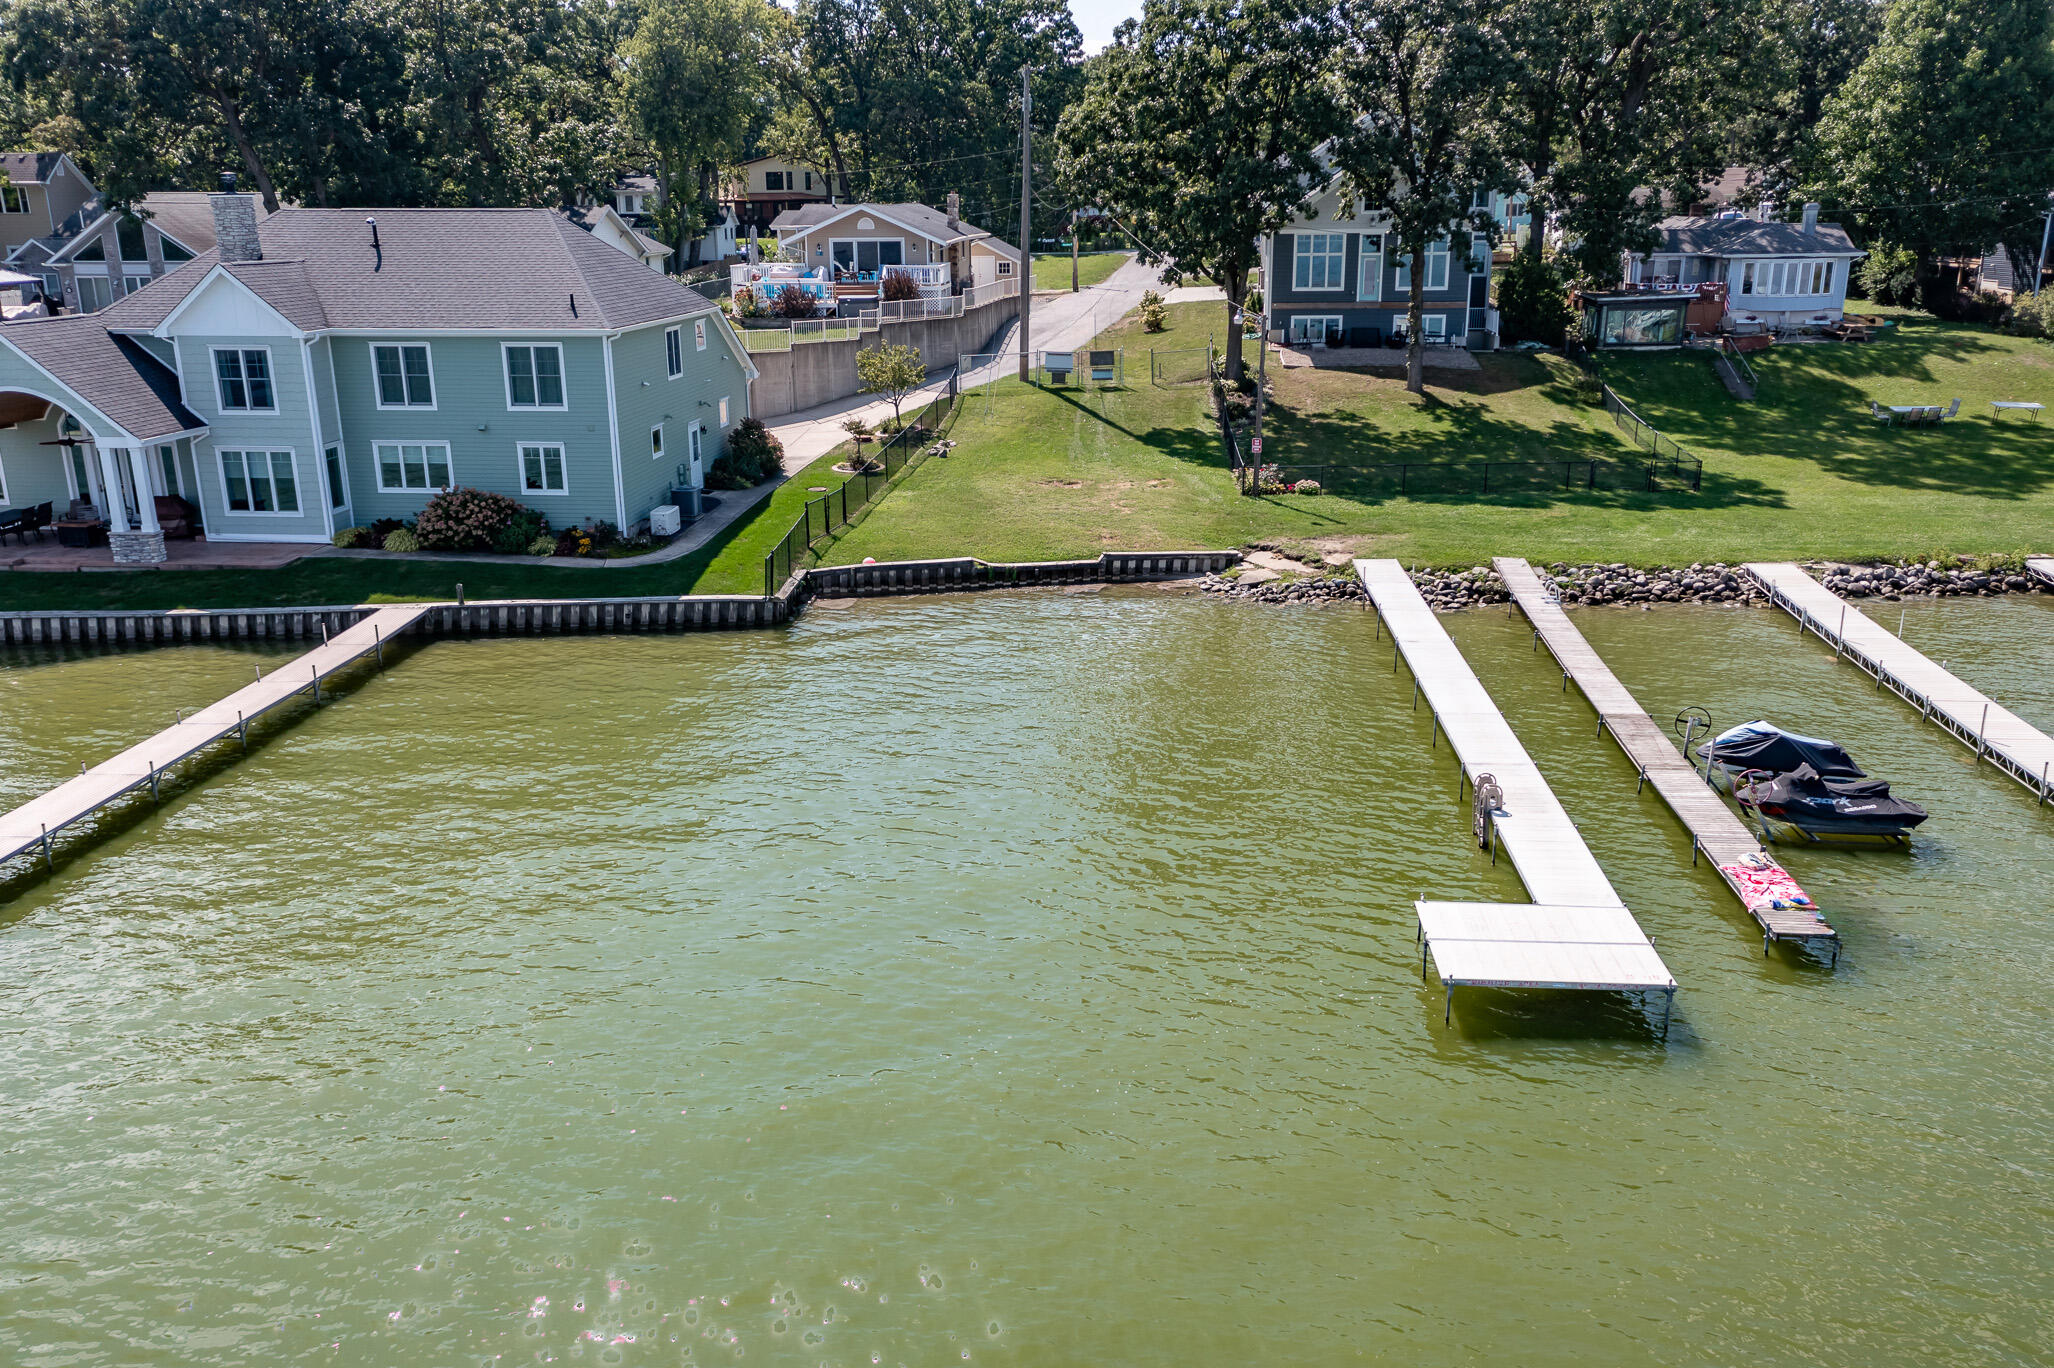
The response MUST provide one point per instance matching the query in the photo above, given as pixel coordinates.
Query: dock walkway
(1577, 933)
(1758, 881)
(145, 764)
(1993, 731)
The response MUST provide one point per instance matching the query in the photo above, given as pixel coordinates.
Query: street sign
(1256, 446)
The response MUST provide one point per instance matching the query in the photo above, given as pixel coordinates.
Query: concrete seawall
(813, 373)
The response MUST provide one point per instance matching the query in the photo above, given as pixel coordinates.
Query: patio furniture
(78, 533)
(1952, 410)
(174, 516)
(2001, 405)
(14, 523)
(1882, 417)
(38, 519)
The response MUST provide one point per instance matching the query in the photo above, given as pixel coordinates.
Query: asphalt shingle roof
(1749, 237)
(921, 218)
(29, 168)
(489, 269)
(113, 374)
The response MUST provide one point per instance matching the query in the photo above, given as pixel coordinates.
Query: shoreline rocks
(1623, 585)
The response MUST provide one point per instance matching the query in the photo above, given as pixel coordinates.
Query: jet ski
(1804, 806)
(1804, 789)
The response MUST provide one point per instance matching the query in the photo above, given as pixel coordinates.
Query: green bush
(1533, 302)
(544, 545)
(2032, 315)
(515, 538)
(1154, 315)
(1889, 275)
(399, 539)
(753, 455)
(347, 537)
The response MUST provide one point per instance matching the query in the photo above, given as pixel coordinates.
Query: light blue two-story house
(328, 367)
(1336, 277)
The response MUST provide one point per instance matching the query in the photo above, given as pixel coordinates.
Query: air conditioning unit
(664, 520)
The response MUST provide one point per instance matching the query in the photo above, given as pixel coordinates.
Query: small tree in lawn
(893, 370)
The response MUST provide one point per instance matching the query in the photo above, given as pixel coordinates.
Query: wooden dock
(1577, 933)
(1988, 728)
(147, 763)
(2040, 568)
(1764, 888)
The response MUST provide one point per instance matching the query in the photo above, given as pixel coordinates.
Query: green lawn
(1052, 269)
(1801, 472)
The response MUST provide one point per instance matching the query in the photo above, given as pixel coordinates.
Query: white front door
(695, 440)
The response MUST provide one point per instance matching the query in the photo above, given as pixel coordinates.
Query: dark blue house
(1339, 279)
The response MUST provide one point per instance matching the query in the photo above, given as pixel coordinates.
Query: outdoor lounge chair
(14, 523)
(39, 518)
(1881, 414)
(1942, 415)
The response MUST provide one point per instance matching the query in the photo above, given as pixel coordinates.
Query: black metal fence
(838, 507)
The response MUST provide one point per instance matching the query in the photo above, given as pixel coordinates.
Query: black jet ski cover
(1766, 746)
(1804, 792)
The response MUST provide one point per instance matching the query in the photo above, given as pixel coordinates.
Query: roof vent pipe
(373, 222)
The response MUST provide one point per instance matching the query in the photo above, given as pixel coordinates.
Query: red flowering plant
(465, 520)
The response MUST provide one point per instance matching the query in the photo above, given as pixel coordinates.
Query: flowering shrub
(573, 541)
(465, 520)
(899, 285)
(1306, 487)
(749, 302)
(399, 539)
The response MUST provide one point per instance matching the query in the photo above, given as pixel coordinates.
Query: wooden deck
(2040, 568)
(1577, 933)
(147, 763)
(1714, 828)
(1988, 728)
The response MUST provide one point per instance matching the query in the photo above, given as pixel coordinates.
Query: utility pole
(1026, 273)
(1073, 251)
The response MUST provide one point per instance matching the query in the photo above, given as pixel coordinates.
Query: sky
(1096, 19)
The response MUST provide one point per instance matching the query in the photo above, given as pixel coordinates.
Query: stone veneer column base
(137, 548)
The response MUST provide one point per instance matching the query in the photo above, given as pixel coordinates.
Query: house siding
(484, 435)
(287, 429)
(645, 396)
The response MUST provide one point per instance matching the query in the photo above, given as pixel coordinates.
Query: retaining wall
(966, 572)
(814, 373)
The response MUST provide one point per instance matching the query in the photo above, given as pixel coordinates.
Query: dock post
(49, 865)
(2043, 787)
(378, 640)
(242, 729)
(1668, 1010)
(1415, 694)
(1536, 641)
(1434, 741)
(1448, 1012)
(154, 796)
(1982, 727)
(1643, 781)
(1693, 852)
(315, 670)
(324, 632)
(1841, 633)
(1565, 681)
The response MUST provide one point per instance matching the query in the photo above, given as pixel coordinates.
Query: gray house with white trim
(1776, 274)
(326, 367)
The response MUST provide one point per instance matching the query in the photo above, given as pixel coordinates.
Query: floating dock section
(1782, 909)
(2040, 568)
(1993, 731)
(1577, 933)
(145, 765)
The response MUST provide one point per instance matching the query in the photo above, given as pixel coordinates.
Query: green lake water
(1017, 979)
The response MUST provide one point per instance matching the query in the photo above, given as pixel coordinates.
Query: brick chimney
(955, 210)
(1811, 217)
(235, 222)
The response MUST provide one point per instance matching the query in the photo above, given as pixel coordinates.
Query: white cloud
(1096, 19)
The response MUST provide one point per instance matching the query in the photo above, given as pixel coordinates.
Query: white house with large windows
(1779, 275)
(323, 367)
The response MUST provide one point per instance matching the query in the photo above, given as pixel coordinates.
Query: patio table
(1998, 404)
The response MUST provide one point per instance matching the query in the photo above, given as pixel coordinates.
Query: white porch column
(146, 506)
(110, 484)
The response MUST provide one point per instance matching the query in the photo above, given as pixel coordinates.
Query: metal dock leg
(242, 729)
(49, 865)
(1448, 1011)
(154, 797)
(1668, 1010)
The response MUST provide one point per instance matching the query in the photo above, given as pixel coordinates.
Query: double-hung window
(13, 199)
(723, 412)
(338, 478)
(260, 482)
(1369, 267)
(1437, 265)
(656, 442)
(404, 378)
(411, 465)
(534, 375)
(542, 468)
(1747, 278)
(674, 352)
(1318, 261)
(243, 376)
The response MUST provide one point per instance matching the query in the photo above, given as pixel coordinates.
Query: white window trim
(563, 465)
(506, 378)
(17, 193)
(1437, 266)
(434, 389)
(674, 336)
(1323, 320)
(378, 468)
(698, 336)
(855, 264)
(1369, 284)
(214, 376)
(657, 445)
(1298, 256)
(341, 469)
(1434, 324)
(267, 452)
(724, 419)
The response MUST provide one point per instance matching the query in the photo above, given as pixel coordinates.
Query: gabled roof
(115, 375)
(1750, 237)
(33, 168)
(509, 270)
(927, 221)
